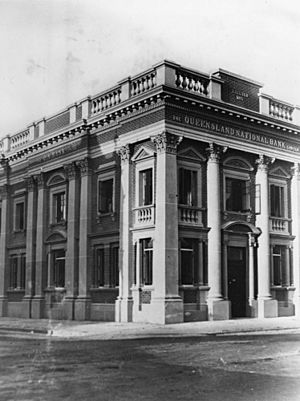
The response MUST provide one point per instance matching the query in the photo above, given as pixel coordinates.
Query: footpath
(111, 330)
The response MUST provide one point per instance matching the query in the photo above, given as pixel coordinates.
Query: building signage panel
(239, 133)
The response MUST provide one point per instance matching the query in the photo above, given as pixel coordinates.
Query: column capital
(4, 191)
(40, 179)
(70, 170)
(295, 170)
(214, 152)
(263, 162)
(166, 142)
(124, 153)
(84, 166)
(31, 182)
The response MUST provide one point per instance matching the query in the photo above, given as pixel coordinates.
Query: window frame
(102, 178)
(197, 169)
(17, 227)
(280, 183)
(53, 269)
(146, 272)
(241, 176)
(54, 191)
(17, 277)
(143, 165)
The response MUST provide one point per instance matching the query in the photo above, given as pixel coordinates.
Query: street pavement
(112, 330)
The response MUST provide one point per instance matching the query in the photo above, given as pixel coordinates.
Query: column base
(26, 307)
(82, 308)
(123, 309)
(68, 308)
(164, 310)
(37, 307)
(218, 309)
(266, 308)
(3, 306)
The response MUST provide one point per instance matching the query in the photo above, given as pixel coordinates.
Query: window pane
(58, 260)
(22, 271)
(59, 201)
(277, 201)
(13, 272)
(187, 187)
(99, 268)
(237, 195)
(187, 267)
(106, 196)
(19, 225)
(147, 262)
(114, 266)
(146, 188)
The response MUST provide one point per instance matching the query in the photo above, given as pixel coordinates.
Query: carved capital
(4, 191)
(263, 163)
(214, 152)
(31, 182)
(124, 153)
(70, 170)
(295, 170)
(166, 142)
(40, 179)
(84, 166)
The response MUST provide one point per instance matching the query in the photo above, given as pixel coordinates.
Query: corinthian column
(267, 307)
(124, 302)
(83, 301)
(218, 308)
(167, 304)
(295, 196)
(5, 213)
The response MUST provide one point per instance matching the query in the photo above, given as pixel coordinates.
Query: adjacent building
(171, 197)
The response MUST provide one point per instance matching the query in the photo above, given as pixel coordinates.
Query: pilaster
(71, 267)
(266, 306)
(124, 302)
(167, 304)
(38, 301)
(83, 301)
(30, 244)
(5, 213)
(218, 308)
(295, 196)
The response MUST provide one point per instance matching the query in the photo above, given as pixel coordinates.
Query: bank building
(173, 196)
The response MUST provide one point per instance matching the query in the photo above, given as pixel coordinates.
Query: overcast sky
(54, 52)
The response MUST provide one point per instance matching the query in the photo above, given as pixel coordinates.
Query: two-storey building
(172, 196)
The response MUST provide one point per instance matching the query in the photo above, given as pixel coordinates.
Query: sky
(55, 52)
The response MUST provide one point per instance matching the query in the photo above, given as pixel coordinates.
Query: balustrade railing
(281, 110)
(106, 100)
(144, 215)
(143, 83)
(192, 82)
(190, 215)
(279, 224)
(19, 139)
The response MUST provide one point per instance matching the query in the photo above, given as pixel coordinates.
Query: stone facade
(171, 197)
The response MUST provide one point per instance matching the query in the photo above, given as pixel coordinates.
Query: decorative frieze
(166, 142)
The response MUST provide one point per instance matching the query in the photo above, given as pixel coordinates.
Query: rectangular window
(146, 261)
(19, 216)
(13, 267)
(187, 187)
(146, 187)
(188, 261)
(98, 279)
(114, 265)
(237, 195)
(277, 200)
(58, 268)
(105, 196)
(277, 265)
(59, 207)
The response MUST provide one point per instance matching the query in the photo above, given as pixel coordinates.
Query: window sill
(101, 216)
(16, 290)
(59, 223)
(21, 231)
(283, 288)
(57, 289)
(94, 289)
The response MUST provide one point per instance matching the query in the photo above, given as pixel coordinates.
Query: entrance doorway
(236, 266)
